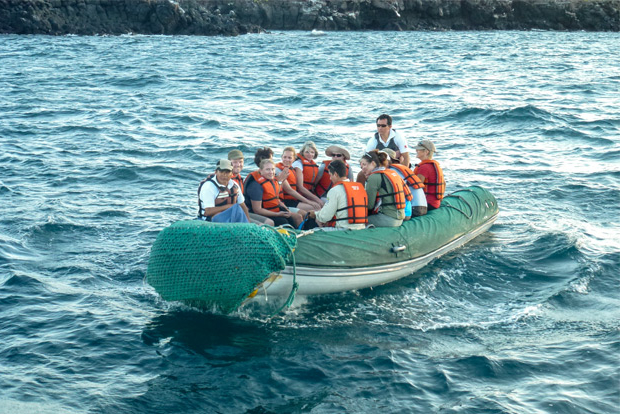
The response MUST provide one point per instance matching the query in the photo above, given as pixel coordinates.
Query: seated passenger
(385, 188)
(347, 202)
(430, 173)
(304, 165)
(236, 159)
(323, 181)
(290, 190)
(219, 198)
(265, 153)
(417, 204)
(262, 193)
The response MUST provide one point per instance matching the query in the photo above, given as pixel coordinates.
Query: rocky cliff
(231, 17)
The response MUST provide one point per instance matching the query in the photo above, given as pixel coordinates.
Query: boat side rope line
(471, 210)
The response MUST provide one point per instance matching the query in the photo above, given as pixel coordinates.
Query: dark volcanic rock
(232, 17)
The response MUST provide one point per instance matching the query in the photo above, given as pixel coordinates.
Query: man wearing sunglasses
(386, 137)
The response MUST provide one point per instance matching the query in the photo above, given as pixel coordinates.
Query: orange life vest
(408, 195)
(397, 190)
(410, 178)
(237, 178)
(436, 188)
(357, 204)
(310, 171)
(225, 196)
(292, 181)
(325, 183)
(271, 190)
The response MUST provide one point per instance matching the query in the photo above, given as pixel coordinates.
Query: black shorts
(417, 211)
(290, 203)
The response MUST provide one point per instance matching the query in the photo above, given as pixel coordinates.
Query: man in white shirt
(347, 202)
(220, 199)
(387, 137)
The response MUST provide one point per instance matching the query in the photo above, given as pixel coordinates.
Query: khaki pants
(381, 220)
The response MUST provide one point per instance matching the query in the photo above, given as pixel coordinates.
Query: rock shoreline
(233, 17)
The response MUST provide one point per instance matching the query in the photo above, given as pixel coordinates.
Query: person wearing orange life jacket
(220, 199)
(431, 174)
(416, 206)
(307, 170)
(282, 177)
(386, 191)
(347, 202)
(262, 196)
(291, 191)
(236, 159)
(323, 182)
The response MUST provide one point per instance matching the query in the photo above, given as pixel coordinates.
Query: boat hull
(316, 280)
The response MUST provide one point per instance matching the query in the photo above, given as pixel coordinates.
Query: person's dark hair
(387, 118)
(379, 158)
(261, 154)
(338, 167)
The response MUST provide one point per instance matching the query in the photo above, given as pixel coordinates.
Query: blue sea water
(103, 142)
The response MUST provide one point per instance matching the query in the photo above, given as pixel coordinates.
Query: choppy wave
(104, 140)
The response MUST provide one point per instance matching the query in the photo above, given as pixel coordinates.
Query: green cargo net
(216, 265)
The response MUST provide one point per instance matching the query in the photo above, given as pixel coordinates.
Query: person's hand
(315, 206)
(286, 214)
(283, 174)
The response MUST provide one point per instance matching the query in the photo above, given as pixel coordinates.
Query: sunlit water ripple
(104, 140)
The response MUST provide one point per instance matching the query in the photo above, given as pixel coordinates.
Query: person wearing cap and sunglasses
(220, 199)
(387, 137)
(323, 181)
(430, 173)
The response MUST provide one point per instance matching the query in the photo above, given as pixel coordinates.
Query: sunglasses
(381, 125)
(338, 155)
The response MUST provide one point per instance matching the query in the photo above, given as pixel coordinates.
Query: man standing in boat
(387, 137)
(219, 197)
(347, 201)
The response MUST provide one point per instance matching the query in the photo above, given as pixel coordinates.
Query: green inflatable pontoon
(224, 265)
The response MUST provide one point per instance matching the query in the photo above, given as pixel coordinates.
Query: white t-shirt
(400, 142)
(209, 192)
(419, 198)
(297, 164)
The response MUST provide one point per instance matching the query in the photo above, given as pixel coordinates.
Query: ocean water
(103, 141)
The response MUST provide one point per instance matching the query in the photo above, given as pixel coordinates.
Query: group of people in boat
(304, 194)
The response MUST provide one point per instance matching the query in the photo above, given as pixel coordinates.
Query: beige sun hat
(390, 152)
(426, 144)
(224, 165)
(337, 149)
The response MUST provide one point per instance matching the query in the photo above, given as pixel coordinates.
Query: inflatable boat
(226, 265)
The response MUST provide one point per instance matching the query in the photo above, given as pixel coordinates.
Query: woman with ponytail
(385, 188)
